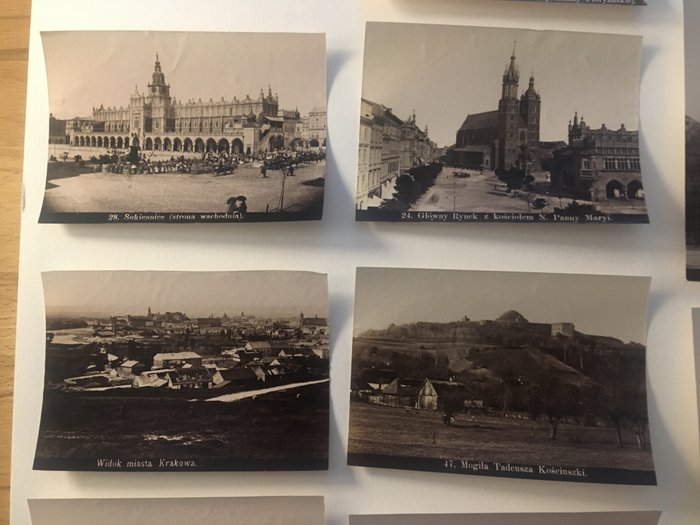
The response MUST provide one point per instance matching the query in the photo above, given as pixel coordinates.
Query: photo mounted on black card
(185, 127)
(468, 124)
(524, 375)
(173, 371)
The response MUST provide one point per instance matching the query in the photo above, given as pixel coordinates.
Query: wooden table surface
(14, 41)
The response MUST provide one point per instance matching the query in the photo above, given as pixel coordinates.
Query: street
(183, 192)
(485, 193)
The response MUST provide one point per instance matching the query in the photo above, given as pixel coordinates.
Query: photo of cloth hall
(487, 142)
(185, 133)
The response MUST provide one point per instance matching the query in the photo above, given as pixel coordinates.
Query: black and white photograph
(696, 354)
(174, 127)
(176, 371)
(592, 2)
(522, 518)
(262, 510)
(691, 10)
(469, 124)
(523, 375)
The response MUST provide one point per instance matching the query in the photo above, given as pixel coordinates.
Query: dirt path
(230, 398)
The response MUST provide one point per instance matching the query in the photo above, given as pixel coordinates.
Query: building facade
(156, 121)
(317, 126)
(416, 146)
(379, 153)
(388, 146)
(599, 164)
(504, 138)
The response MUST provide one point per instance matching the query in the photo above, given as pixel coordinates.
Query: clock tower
(160, 102)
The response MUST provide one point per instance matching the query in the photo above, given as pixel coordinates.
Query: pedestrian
(237, 204)
(291, 170)
(263, 171)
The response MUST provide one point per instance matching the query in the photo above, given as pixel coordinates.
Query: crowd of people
(221, 163)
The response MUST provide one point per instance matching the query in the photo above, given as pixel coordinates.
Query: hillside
(491, 351)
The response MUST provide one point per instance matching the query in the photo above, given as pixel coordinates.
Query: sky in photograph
(89, 68)
(597, 305)
(448, 72)
(197, 294)
(692, 58)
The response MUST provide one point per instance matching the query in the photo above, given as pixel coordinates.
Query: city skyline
(404, 295)
(197, 294)
(433, 75)
(119, 61)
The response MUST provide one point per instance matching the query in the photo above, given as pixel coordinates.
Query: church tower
(530, 115)
(159, 101)
(509, 117)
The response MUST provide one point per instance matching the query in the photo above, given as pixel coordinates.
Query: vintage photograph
(185, 127)
(163, 371)
(522, 518)
(277, 510)
(696, 353)
(692, 139)
(468, 124)
(596, 2)
(525, 375)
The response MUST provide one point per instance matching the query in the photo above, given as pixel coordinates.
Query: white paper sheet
(337, 245)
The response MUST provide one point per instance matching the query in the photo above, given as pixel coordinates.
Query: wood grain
(14, 41)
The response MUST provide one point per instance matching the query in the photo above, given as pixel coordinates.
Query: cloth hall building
(156, 121)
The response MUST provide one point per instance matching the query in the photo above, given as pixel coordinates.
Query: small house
(433, 391)
(401, 392)
(154, 378)
(264, 348)
(175, 359)
(130, 368)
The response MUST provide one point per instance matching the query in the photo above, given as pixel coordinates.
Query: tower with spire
(159, 100)
(518, 119)
(530, 116)
(509, 117)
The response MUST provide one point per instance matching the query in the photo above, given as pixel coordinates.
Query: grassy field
(391, 431)
(278, 426)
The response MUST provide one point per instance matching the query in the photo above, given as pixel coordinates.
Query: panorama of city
(167, 390)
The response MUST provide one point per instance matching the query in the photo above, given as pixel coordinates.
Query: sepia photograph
(469, 124)
(591, 2)
(264, 510)
(174, 371)
(176, 127)
(522, 518)
(524, 375)
(696, 353)
(692, 139)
